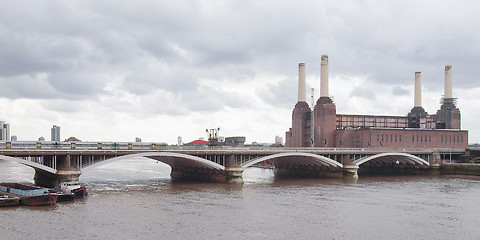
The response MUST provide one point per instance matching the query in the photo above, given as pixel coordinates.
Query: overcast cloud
(116, 70)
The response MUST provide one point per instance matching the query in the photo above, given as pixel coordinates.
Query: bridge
(56, 163)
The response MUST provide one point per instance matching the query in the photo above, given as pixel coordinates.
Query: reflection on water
(135, 198)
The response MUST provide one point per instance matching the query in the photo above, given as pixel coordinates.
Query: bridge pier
(50, 180)
(233, 171)
(231, 174)
(65, 173)
(350, 170)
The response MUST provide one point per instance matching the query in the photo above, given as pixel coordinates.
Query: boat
(74, 188)
(62, 196)
(29, 195)
(9, 200)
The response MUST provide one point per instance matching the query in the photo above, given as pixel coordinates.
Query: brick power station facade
(417, 129)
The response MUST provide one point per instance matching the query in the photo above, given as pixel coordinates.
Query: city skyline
(56, 137)
(158, 70)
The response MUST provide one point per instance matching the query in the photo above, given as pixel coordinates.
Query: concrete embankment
(460, 169)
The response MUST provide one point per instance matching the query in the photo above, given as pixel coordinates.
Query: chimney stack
(448, 82)
(301, 83)
(417, 113)
(418, 90)
(324, 77)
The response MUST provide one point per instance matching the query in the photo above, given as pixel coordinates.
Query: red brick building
(417, 129)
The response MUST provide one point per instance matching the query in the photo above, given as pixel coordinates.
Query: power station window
(400, 137)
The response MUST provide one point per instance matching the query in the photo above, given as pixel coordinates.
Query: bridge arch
(169, 158)
(398, 158)
(31, 164)
(297, 158)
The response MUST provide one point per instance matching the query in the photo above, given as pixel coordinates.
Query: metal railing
(32, 145)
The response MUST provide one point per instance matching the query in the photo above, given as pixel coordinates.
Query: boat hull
(9, 201)
(65, 197)
(39, 200)
(80, 192)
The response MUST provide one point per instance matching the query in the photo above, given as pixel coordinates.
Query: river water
(135, 199)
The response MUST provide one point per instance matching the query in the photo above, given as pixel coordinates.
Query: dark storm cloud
(54, 86)
(172, 45)
(29, 53)
(395, 39)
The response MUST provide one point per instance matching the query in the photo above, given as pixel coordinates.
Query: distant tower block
(55, 133)
(324, 77)
(301, 83)
(448, 82)
(418, 90)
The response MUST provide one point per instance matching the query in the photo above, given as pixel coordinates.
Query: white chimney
(301, 83)
(448, 82)
(324, 77)
(418, 90)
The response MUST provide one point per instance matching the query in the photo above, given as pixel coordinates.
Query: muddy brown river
(135, 199)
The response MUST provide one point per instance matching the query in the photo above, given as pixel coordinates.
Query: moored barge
(8, 200)
(29, 195)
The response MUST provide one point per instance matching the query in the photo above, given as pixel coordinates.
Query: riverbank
(469, 169)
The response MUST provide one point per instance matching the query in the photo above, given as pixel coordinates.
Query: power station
(417, 129)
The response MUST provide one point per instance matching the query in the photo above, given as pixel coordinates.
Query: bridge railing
(300, 149)
(49, 145)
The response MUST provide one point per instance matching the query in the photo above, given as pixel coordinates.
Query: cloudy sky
(116, 70)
